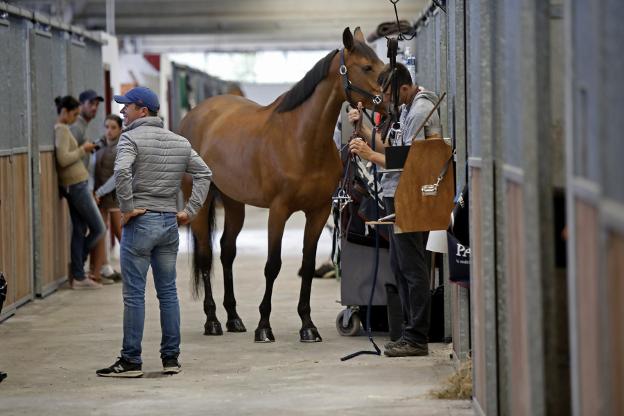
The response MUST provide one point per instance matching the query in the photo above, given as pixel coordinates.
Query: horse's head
(360, 68)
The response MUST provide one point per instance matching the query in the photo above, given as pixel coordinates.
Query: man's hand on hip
(127, 216)
(183, 218)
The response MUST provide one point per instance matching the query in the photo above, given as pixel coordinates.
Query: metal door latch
(429, 190)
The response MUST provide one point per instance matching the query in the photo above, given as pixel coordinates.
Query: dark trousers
(85, 216)
(409, 265)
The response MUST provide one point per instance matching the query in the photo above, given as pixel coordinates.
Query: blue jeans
(151, 238)
(85, 215)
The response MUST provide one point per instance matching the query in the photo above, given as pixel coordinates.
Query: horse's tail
(202, 241)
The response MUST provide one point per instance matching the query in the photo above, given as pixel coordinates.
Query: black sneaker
(393, 344)
(171, 365)
(325, 271)
(121, 368)
(116, 276)
(405, 349)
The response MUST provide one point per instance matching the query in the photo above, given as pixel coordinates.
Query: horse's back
(227, 132)
(215, 108)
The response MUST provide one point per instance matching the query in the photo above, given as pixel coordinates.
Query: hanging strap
(432, 189)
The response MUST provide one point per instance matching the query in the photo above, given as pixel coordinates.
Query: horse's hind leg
(277, 220)
(201, 228)
(234, 218)
(315, 221)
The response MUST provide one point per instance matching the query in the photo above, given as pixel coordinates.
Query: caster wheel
(353, 326)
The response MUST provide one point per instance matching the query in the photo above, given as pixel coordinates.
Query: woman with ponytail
(87, 224)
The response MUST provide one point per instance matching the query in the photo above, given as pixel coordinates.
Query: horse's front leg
(315, 221)
(277, 220)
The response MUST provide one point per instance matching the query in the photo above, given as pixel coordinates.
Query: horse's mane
(303, 89)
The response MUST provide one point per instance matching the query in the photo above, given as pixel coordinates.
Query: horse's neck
(318, 115)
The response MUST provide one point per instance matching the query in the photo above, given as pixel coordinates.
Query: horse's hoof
(264, 335)
(213, 328)
(235, 325)
(310, 335)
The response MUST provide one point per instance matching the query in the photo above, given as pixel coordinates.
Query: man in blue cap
(89, 103)
(149, 167)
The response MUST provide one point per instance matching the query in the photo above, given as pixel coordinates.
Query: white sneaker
(85, 283)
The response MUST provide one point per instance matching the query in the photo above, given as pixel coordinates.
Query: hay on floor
(458, 386)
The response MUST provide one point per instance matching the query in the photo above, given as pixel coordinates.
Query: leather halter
(348, 85)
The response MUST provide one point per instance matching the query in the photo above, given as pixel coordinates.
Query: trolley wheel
(353, 326)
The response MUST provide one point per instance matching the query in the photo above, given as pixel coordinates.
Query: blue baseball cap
(141, 96)
(89, 95)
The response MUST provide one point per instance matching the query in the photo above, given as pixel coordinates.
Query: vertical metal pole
(33, 150)
(570, 89)
(110, 17)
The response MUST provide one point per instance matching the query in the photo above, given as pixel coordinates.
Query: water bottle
(410, 63)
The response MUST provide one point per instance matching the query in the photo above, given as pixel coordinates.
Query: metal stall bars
(189, 87)
(440, 51)
(518, 297)
(62, 63)
(457, 129)
(505, 96)
(34, 226)
(15, 218)
(482, 226)
(48, 77)
(594, 45)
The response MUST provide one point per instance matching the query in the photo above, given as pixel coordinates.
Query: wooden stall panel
(477, 290)
(15, 238)
(515, 270)
(47, 211)
(6, 231)
(62, 231)
(588, 305)
(22, 235)
(54, 234)
(615, 314)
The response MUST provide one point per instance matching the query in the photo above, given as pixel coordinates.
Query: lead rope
(376, 267)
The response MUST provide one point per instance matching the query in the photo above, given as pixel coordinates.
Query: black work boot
(407, 349)
(393, 344)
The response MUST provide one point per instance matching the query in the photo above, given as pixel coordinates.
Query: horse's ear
(347, 39)
(358, 35)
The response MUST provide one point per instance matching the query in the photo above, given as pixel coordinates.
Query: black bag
(3, 290)
(436, 326)
(459, 226)
(458, 238)
(459, 260)
(363, 207)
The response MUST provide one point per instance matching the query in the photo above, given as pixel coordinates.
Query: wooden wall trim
(475, 162)
(513, 173)
(612, 213)
(586, 190)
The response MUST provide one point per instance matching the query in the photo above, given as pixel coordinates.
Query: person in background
(89, 103)
(407, 250)
(87, 224)
(105, 196)
(149, 167)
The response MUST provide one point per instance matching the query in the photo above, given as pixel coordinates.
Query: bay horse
(280, 157)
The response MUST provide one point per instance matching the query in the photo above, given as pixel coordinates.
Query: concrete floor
(52, 347)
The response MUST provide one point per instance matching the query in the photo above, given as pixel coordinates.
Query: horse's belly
(241, 189)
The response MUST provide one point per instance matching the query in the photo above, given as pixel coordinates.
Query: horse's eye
(367, 68)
